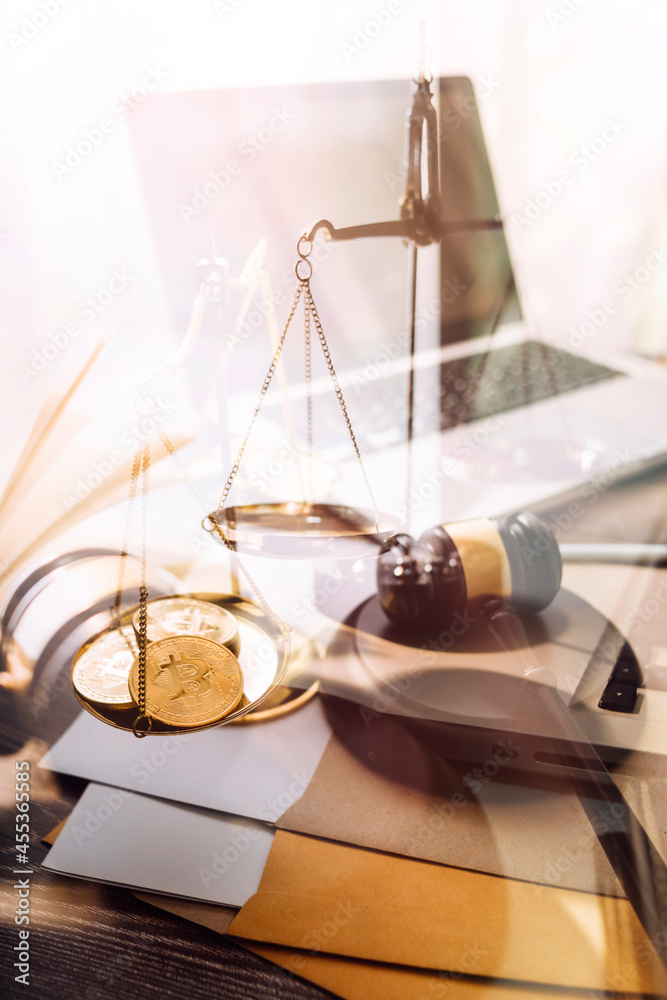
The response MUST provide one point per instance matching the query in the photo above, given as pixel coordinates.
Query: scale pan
(265, 654)
(297, 530)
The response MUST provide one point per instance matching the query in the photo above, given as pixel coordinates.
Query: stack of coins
(191, 681)
(101, 670)
(169, 616)
(193, 678)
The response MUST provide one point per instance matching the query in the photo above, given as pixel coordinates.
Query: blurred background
(141, 139)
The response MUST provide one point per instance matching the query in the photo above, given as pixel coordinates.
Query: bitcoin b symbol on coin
(108, 668)
(188, 678)
(191, 681)
(194, 621)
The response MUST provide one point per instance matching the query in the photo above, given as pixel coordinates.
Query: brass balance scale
(175, 664)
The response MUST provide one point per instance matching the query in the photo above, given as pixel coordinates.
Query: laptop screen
(252, 164)
(476, 279)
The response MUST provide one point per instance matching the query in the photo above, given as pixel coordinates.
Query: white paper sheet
(145, 843)
(256, 770)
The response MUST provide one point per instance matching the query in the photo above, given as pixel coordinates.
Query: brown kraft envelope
(355, 979)
(454, 818)
(341, 900)
(487, 821)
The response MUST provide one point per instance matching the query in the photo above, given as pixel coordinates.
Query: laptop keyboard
(456, 392)
(483, 385)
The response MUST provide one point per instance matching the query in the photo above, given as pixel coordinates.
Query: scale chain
(339, 394)
(132, 492)
(134, 475)
(143, 589)
(310, 313)
(265, 388)
(309, 398)
(169, 447)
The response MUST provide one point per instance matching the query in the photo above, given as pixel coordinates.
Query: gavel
(454, 567)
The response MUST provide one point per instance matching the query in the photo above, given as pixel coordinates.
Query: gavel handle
(630, 851)
(635, 554)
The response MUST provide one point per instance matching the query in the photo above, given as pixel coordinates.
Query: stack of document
(190, 815)
(365, 885)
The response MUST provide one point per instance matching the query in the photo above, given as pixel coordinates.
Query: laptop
(501, 419)
(504, 416)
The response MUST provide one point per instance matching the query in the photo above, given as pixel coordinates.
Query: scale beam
(406, 229)
(420, 221)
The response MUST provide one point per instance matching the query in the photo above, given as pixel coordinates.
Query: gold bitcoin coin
(101, 670)
(190, 681)
(170, 616)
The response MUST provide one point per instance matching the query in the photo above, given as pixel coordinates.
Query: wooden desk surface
(93, 942)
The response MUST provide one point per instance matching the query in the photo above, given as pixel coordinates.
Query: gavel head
(455, 566)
